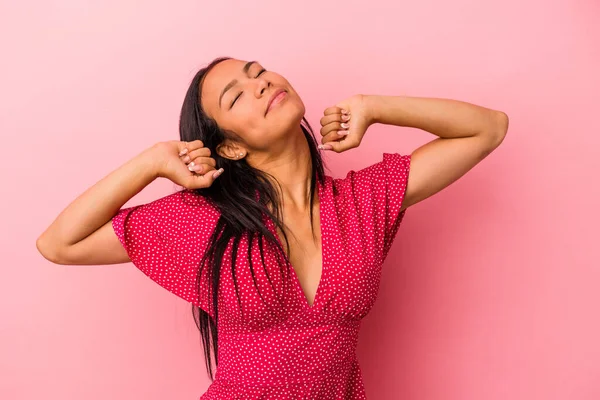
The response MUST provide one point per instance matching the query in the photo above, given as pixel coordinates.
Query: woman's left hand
(344, 125)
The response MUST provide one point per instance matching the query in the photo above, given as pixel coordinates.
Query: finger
(188, 154)
(201, 152)
(205, 160)
(334, 110)
(341, 145)
(333, 137)
(327, 119)
(338, 147)
(202, 165)
(330, 146)
(194, 145)
(334, 126)
(347, 141)
(182, 148)
(203, 181)
(201, 169)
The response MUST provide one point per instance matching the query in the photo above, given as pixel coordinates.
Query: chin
(291, 112)
(289, 116)
(298, 112)
(293, 120)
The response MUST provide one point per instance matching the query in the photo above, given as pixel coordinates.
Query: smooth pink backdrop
(491, 289)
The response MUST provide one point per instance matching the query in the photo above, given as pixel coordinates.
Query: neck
(291, 167)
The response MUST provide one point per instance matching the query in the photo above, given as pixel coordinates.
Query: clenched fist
(187, 164)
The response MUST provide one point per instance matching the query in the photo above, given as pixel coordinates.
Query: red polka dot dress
(277, 345)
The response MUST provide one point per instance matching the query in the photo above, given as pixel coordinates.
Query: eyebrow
(234, 82)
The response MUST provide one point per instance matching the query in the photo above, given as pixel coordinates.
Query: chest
(331, 272)
(305, 250)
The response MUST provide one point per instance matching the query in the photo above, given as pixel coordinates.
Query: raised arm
(82, 234)
(467, 134)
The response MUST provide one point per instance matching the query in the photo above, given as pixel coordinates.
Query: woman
(294, 255)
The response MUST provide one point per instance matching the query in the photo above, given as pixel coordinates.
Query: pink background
(491, 290)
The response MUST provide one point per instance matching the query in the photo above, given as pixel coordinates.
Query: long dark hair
(242, 195)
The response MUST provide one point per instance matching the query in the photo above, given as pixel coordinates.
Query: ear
(230, 150)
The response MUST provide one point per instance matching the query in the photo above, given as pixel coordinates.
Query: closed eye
(239, 94)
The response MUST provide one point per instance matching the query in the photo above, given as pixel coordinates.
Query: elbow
(48, 251)
(501, 125)
(498, 128)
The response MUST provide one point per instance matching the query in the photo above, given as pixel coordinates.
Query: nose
(261, 87)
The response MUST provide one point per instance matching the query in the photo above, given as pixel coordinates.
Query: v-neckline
(295, 277)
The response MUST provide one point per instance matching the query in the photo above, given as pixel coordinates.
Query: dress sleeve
(161, 241)
(377, 192)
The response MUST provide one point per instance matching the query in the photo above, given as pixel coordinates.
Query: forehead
(218, 77)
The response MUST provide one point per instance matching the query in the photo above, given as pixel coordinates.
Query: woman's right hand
(187, 164)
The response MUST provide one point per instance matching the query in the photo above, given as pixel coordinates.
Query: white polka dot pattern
(277, 345)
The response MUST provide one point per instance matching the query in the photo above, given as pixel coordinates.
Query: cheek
(246, 127)
(240, 120)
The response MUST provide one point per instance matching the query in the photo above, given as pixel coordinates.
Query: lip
(275, 94)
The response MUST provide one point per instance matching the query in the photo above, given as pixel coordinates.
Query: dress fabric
(274, 344)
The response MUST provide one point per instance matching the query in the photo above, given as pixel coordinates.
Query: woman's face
(242, 97)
